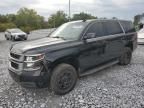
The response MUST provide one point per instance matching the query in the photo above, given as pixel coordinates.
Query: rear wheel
(125, 58)
(63, 79)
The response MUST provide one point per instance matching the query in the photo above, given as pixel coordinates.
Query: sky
(122, 9)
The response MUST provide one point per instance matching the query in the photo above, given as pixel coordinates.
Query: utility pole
(54, 24)
(69, 10)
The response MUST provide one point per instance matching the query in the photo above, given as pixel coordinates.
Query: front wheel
(125, 58)
(63, 79)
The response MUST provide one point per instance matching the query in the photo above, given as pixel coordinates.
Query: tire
(63, 79)
(126, 57)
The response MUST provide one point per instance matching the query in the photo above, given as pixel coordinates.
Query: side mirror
(89, 36)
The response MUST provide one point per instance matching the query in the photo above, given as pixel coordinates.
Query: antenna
(69, 10)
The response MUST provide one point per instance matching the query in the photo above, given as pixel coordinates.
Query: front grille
(16, 61)
(14, 65)
(15, 56)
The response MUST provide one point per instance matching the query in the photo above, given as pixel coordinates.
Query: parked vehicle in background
(73, 50)
(141, 36)
(15, 34)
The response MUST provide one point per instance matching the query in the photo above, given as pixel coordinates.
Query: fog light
(30, 65)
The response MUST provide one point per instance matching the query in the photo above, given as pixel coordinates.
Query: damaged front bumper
(28, 77)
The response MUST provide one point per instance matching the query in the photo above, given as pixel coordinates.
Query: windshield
(15, 31)
(69, 31)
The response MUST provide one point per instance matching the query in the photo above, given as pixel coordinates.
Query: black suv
(73, 50)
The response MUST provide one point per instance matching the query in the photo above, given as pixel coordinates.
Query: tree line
(28, 20)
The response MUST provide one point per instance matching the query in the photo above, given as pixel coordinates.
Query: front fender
(69, 52)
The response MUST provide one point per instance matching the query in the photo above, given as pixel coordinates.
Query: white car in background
(15, 34)
(141, 36)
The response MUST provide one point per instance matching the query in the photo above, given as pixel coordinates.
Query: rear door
(130, 32)
(115, 37)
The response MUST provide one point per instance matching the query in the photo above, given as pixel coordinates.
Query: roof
(91, 20)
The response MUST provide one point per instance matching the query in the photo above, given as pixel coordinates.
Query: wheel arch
(67, 60)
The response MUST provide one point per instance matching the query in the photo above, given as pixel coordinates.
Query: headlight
(32, 66)
(34, 58)
(33, 62)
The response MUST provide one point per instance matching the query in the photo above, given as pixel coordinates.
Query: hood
(21, 33)
(25, 46)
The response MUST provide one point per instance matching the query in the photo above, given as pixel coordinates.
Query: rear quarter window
(128, 26)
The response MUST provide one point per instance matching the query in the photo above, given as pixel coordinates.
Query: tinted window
(112, 27)
(128, 26)
(96, 28)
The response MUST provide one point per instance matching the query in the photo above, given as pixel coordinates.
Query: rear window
(112, 28)
(128, 26)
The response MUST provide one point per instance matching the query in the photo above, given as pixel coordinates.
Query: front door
(93, 49)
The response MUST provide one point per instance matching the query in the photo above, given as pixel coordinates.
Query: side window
(128, 26)
(112, 28)
(95, 29)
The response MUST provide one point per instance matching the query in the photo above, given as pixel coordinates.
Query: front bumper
(31, 77)
(27, 79)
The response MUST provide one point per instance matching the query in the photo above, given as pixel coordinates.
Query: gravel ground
(114, 87)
